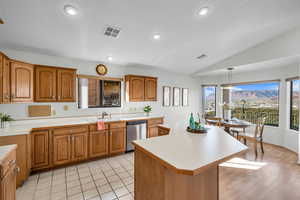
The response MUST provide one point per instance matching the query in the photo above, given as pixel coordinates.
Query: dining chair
(216, 119)
(257, 137)
(235, 132)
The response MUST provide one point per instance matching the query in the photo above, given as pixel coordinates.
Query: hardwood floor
(272, 176)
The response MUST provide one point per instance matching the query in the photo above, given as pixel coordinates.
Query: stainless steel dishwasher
(136, 130)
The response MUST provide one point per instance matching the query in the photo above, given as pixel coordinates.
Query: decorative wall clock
(101, 69)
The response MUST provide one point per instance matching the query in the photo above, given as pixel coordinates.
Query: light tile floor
(104, 179)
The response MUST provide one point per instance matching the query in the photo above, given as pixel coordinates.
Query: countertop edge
(185, 171)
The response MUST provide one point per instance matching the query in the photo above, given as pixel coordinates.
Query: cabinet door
(136, 91)
(45, 84)
(8, 185)
(152, 131)
(98, 144)
(21, 82)
(61, 149)
(117, 140)
(79, 146)
(40, 149)
(4, 79)
(150, 89)
(66, 85)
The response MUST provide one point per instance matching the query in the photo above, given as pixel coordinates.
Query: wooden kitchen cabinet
(141, 88)
(163, 130)
(70, 144)
(54, 84)
(98, 141)
(8, 177)
(79, 146)
(40, 156)
(117, 137)
(150, 89)
(21, 81)
(4, 79)
(23, 154)
(61, 149)
(45, 84)
(66, 85)
(152, 124)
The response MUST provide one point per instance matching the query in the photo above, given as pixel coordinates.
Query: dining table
(230, 124)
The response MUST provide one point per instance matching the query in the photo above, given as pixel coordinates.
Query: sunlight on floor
(243, 164)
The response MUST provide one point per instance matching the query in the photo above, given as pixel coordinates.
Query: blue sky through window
(258, 86)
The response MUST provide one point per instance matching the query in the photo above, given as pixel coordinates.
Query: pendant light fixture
(229, 85)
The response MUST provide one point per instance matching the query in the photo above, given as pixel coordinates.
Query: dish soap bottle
(192, 121)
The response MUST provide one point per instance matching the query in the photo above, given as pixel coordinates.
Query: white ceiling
(232, 26)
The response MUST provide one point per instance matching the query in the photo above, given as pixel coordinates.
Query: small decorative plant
(147, 109)
(5, 118)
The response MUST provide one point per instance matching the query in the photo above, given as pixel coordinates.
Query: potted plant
(147, 110)
(5, 119)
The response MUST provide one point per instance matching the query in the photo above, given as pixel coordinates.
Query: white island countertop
(190, 154)
(26, 126)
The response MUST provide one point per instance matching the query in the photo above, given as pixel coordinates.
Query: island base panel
(155, 181)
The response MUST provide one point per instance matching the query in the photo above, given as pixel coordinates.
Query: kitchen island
(182, 166)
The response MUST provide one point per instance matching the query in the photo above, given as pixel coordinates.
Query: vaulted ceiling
(231, 26)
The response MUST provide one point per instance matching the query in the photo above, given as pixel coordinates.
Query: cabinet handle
(17, 169)
(12, 162)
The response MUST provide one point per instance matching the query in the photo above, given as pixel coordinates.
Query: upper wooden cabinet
(45, 84)
(4, 79)
(21, 82)
(54, 84)
(150, 89)
(141, 88)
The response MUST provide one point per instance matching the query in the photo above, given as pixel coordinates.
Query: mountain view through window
(251, 101)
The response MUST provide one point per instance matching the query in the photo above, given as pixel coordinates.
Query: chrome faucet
(104, 114)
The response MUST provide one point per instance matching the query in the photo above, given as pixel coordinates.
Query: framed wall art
(166, 96)
(185, 96)
(176, 96)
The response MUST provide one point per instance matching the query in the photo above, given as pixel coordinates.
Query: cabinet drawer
(155, 121)
(117, 125)
(8, 163)
(70, 130)
(93, 127)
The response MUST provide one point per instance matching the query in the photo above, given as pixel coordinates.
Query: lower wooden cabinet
(8, 174)
(152, 131)
(40, 149)
(22, 154)
(98, 143)
(61, 149)
(163, 130)
(79, 146)
(117, 140)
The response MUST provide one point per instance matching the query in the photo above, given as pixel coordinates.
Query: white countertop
(26, 126)
(4, 150)
(190, 153)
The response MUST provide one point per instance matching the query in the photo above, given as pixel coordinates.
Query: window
(95, 93)
(251, 101)
(209, 100)
(294, 104)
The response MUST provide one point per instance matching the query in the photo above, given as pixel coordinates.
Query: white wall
(281, 135)
(177, 117)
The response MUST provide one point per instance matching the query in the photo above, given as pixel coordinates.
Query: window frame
(278, 81)
(291, 104)
(203, 98)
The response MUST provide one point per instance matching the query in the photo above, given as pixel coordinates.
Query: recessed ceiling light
(109, 58)
(203, 11)
(156, 36)
(70, 10)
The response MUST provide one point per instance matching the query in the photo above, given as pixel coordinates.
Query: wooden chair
(235, 132)
(257, 137)
(216, 119)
